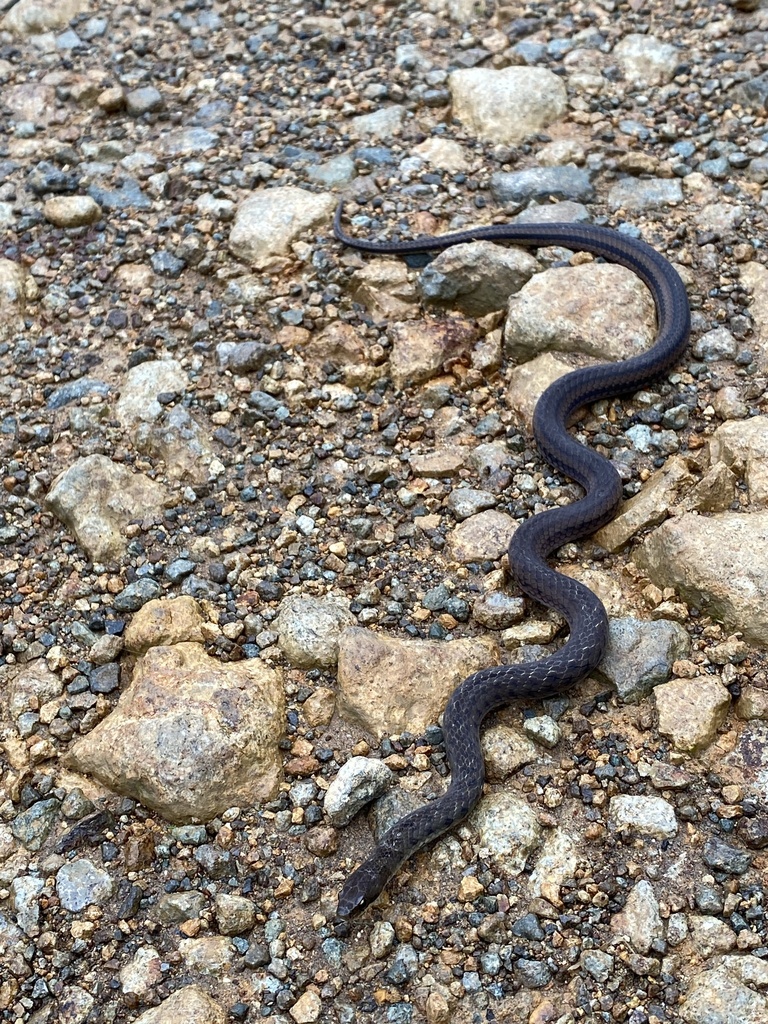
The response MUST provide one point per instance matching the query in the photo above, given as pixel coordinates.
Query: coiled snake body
(538, 536)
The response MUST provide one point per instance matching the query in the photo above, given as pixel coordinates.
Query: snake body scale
(539, 535)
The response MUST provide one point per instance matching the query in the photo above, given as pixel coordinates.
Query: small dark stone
(721, 857)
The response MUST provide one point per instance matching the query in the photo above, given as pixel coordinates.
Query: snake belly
(539, 535)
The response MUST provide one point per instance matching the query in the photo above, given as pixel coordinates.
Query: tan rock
(307, 1008)
(711, 936)
(529, 380)
(341, 345)
(163, 622)
(742, 446)
(691, 711)
(191, 736)
(71, 211)
(31, 17)
(439, 465)
(647, 508)
(598, 309)
(319, 707)
(17, 287)
(271, 220)
(754, 277)
(753, 703)
(482, 537)
(718, 563)
(209, 955)
(97, 498)
(420, 348)
(640, 920)
(133, 277)
(388, 686)
(505, 750)
(385, 288)
(508, 105)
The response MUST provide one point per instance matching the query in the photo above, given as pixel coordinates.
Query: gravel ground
(251, 423)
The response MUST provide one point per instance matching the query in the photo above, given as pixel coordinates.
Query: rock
(640, 655)
(482, 537)
(720, 219)
(476, 278)
(180, 142)
(385, 288)
(17, 287)
(711, 936)
(508, 105)
(646, 60)
(721, 856)
(30, 18)
(718, 563)
(754, 277)
(564, 212)
(31, 688)
(505, 750)
(539, 183)
(133, 277)
(743, 448)
(163, 622)
(716, 344)
(640, 920)
(691, 711)
(80, 884)
(637, 194)
(33, 825)
(307, 1007)
(71, 211)
(25, 893)
(643, 816)
(508, 831)
(234, 914)
(143, 383)
(339, 170)
(359, 780)
(600, 310)
(529, 381)
(420, 348)
(440, 465)
(556, 862)
(381, 124)
(189, 1005)
(445, 154)
(388, 686)
(543, 729)
(464, 502)
(730, 993)
(190, 736)
(496, 610)
(180, 442)
(144, 100)
(269, 222)
(97, 498)
(142, 973)
(648, 507)
(309, 628)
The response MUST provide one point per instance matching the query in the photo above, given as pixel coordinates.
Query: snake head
(361, 888)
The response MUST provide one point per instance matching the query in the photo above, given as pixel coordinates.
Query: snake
(538, 536)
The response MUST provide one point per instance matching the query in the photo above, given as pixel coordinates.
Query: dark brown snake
(538, 536)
